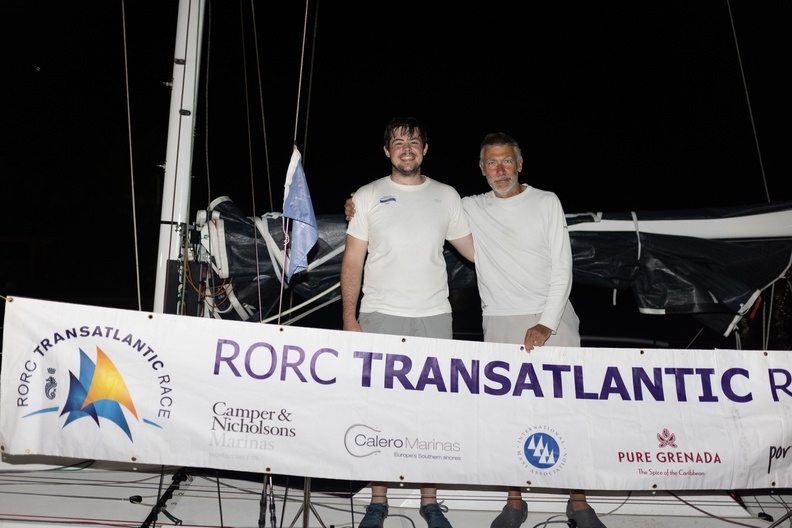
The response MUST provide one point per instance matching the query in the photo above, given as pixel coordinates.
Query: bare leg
(430, 510)
(580, 513)
(514, 498)
(514, 513)
(379, 493)
(428, 494)
(578, 500)
(377, 511)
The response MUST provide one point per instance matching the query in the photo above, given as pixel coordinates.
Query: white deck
(45, 491)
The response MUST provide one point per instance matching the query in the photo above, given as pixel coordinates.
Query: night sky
(618, 106)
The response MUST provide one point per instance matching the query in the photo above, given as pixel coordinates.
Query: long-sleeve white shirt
(523, 254)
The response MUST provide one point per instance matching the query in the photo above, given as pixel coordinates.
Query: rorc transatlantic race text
(265, 361)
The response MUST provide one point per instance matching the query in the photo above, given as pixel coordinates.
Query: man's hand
(536, 336)
(349, 208)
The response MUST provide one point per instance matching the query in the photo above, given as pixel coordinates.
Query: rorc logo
(96, 390)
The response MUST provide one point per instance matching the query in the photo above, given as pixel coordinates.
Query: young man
(394, 255)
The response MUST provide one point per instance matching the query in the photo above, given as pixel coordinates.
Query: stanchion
(306, 507)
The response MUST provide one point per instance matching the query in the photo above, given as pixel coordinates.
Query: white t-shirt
(406, 227)
(523, 254)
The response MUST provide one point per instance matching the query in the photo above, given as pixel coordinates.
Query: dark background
(618, 106)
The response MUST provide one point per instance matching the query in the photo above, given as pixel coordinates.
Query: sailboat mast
(178, 158)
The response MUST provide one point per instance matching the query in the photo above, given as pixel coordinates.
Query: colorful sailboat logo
(98, 392)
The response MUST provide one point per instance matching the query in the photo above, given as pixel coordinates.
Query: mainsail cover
(712, 264)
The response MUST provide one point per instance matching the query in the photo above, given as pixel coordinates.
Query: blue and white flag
(297, 206)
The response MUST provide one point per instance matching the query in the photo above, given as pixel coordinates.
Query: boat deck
(46, 491)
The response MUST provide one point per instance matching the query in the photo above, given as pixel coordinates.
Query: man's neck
(517, 189)
(408, 179)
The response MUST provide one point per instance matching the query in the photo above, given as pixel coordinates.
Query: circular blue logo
(541, 450)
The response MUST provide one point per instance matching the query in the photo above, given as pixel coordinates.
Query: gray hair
(499, 139)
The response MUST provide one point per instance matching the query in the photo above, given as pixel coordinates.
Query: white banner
(117, 385)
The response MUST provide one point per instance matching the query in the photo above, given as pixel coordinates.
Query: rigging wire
(219, 497)
(748, 101)
(131, 166)
(244, 494)
(306, 303)
(300, 77)
(266, 151)
(310, 77)
(208, 22)
(261, 107)
(312, 310)
(249, 131)
(286, 221)
(247, 107)
(69, 481)
(767, 319)
(244, 52)
(210, 283)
